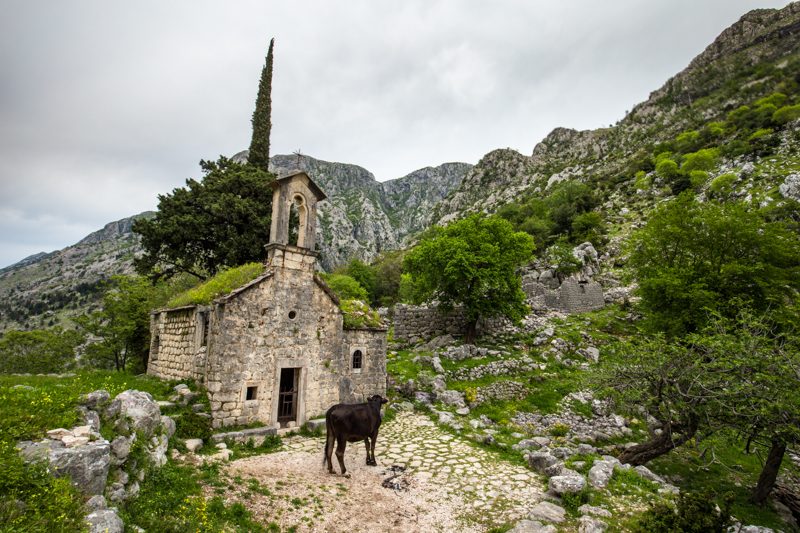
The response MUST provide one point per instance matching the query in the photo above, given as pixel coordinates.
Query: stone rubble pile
(103, 470)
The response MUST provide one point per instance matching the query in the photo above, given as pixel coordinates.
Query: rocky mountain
(723, 99)
(45, 289)
(361, 218)
(750, 60)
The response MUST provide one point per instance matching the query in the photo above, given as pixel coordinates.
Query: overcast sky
(104, 105)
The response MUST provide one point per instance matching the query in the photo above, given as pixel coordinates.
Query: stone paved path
(481, 489)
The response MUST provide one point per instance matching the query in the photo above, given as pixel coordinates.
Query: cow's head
(377, 398)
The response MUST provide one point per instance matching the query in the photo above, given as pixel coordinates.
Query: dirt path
(448, 484)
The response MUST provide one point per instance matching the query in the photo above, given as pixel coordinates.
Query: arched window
(298, 214)
(358, 360)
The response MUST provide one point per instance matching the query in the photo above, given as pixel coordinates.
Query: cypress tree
(262, 120)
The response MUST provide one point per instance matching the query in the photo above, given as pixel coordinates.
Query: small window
(155, 347)
(252, 393)
(292, 315)
(358, 360)
(204, 317)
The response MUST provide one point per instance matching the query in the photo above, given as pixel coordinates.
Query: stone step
(244, 435)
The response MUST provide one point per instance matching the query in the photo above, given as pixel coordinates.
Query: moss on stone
(223, 283)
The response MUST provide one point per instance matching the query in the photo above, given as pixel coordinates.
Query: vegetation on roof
(358, 314)
(223, 283)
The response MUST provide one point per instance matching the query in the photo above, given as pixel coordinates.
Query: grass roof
(221, 284)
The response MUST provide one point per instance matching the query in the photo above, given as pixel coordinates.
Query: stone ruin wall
(174, 351)
(425, 322)
(575, 294)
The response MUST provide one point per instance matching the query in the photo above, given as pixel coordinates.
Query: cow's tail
(329, 439)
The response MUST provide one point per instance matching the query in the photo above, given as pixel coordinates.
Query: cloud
(105, 105)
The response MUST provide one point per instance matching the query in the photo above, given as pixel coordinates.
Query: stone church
(273, 351)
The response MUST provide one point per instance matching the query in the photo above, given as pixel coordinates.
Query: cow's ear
(384, 400)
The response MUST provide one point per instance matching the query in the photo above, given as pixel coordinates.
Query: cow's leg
(341, 442)
(329, 440)
(372, 449)
(366, 445)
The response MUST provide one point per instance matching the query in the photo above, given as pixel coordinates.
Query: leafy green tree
(258, 156)
(364, 274)
(473, 263)
(121, 328)
(345, 287)
(693, 257)
(221, 221)
(38, 351)
(388, 269)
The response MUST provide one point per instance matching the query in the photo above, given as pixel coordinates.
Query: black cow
(351, 423)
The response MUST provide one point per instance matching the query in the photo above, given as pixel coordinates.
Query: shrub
(723, 183)
(357, 314)
(192, 426)
(345, 287)
(694, 512)
(559, 430)
(700, 160)
(221, 284)
(786, 114)
(698, 178)
(642, 182)
(667, 169)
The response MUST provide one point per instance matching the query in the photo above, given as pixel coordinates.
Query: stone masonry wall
(174, 350)
(356, 385)
(284, 321)
(412, 322)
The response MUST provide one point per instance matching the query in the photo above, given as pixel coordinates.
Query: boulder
(452, 397)
(121, 447)
(193, 444)
(594, 511)
(95, 400)
(87, 465)
(105, 521)
(566, 484)
(600, 474)
(547, 511)
(532, 526)
(649, 474)
(319, 423)
(540, 461)
(96, 503)
(137, 407)
(589, 524)
(169, 426)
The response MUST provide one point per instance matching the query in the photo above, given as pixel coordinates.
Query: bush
(694, 513)
(698, 177)
(786, 114)
(345, 287)
(723, 184)
(667, 169)
(191, 425)
(700, 160)
(357, 314)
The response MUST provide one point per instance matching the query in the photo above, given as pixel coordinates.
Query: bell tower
(298, 192)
